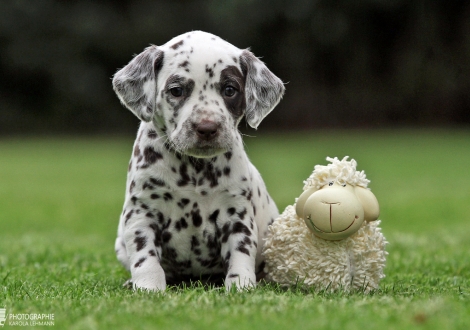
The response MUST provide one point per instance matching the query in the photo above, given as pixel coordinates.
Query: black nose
(207, 130)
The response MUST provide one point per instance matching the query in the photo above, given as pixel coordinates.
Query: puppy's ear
(135, 84)
(263, 90)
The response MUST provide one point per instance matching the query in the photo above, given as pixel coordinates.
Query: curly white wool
(341, 171)
(294, 255)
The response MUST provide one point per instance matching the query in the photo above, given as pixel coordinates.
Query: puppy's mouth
(205, 139)
(204, 151)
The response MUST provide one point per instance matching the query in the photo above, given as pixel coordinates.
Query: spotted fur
(195, 206)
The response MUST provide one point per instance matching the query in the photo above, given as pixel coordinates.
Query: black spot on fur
(167, 197)
(177, 45)
(227, 261)
(152, 134)
(157, 182)
(160, 217)
(231, 211)
(181, 224)
(183, 202)
(225, 232)
(151, 156)
(226, 171)
(196, 217)
(128, 216)
(249, 195)
(185, 179)
(247, 240)
(155, 196)
(166, 236)
(243, 249)
(140, 241)
(209, 71)
(131, 187)
(213, 216)
(242, 214)
(210, 173)
(157, 235)
(239, 227)
(140, 262)
(197, 164)
(183, 65)
(228, 155)
(194, 242)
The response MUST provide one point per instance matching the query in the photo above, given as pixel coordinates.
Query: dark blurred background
(348, 63)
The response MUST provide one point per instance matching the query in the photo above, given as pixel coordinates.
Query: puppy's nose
(207, 130)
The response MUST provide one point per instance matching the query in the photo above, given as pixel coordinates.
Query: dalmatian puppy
(195, 206)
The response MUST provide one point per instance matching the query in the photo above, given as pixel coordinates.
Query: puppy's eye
(331, 183)
(176, 91)
(229, 91)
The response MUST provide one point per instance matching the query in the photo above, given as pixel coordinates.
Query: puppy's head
(195, 89)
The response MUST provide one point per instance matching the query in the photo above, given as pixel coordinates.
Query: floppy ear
(369, 203)
(135, 84)
(263, 90)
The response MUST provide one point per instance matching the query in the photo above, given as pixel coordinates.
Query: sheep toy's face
(336, 211)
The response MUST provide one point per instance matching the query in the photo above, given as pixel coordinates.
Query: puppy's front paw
(149, 278)
(240, 281)
(149, 284)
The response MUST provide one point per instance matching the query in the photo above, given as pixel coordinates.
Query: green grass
(60, 200)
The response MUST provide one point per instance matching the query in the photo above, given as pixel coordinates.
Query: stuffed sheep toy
(331, 237)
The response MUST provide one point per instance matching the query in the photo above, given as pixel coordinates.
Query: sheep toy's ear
(369, 203)
(299, 205)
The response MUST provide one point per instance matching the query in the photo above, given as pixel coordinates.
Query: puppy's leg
(121, 253)
(143, 244)
(239, 247)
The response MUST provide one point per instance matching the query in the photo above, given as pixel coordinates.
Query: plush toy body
(329, 238)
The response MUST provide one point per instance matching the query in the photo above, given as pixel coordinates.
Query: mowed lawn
(60, 200)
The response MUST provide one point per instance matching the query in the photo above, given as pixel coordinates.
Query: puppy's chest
(190, 234)
(189, 202)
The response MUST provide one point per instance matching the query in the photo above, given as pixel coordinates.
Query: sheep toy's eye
(343, 185)
(331, 183)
